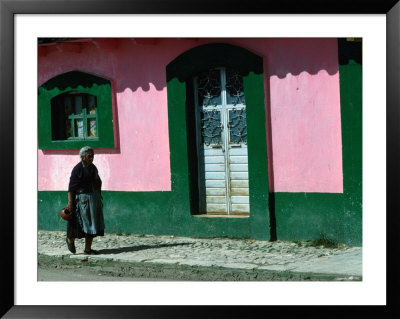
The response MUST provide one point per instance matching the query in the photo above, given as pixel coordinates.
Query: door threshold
(220, 215)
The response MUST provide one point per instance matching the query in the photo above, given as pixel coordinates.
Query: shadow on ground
(121, 250)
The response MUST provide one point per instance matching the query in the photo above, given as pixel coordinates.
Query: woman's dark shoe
(91, 252)
(71, 246)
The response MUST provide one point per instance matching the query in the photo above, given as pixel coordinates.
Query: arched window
(75, 109)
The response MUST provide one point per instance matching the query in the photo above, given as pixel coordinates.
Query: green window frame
(52, 121)
(74, 116)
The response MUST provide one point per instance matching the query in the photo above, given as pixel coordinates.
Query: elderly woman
(84, 198)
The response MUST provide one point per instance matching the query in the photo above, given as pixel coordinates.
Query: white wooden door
(222, 142)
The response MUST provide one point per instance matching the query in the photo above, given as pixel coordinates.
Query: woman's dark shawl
(84, 183)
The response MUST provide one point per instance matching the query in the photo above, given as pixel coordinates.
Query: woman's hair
(84, 150)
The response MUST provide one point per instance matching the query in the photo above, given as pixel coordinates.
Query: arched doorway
(232, 123)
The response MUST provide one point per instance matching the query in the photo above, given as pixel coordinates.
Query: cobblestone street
(238, 254)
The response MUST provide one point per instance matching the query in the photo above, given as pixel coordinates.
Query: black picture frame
(8, 10)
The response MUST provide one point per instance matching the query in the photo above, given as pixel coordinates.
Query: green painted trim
(154, 213)
(350, 75)
(299, 216)
(304, 216)
(179, 74)
(85, 83)
(257, 154)
(213, 55)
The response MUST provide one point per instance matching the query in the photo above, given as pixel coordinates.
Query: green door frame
(179, 72)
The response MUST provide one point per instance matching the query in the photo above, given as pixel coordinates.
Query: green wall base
(307, 216)
(299, 216)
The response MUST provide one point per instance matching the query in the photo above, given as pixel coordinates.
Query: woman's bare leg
(88, 244)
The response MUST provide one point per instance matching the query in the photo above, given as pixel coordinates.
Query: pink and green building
(228, 137)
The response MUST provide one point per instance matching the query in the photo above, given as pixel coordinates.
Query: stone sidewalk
(214, 254)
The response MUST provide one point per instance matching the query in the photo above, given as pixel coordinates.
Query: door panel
(210, 191)
(239, 191)
(216, 208)
(213, 151)
(215, 175)
(237, 183)
(214, 160)
(221, 139)
(238, 159)
(238, 175)
(242, 209)
(216, 199)
(215, 183)
(239, 199)
(240, 150)
(215, 167)
(238, 168)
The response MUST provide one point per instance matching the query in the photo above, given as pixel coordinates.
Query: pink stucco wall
(302, 102)
(305, 115)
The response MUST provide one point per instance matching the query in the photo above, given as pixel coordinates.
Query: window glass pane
(78, 104)
(91, 107)
(79, 128)
(68, 105)
(57, 119)
(237, 126)
(234, 88)
(211, 127)
(209, 88)
(68, 127)
(91, 126)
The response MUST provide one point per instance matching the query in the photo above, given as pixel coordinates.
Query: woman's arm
(71, 201)
(74, 184)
